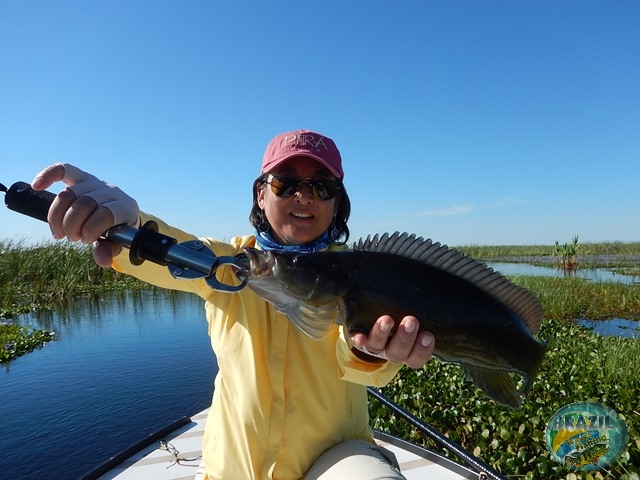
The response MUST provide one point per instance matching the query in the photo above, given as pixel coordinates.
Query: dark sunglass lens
(287, 187)
(325, 189)
(284, 186)
(320, 190)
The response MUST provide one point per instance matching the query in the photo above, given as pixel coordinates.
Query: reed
(38, 276)
(486, 252)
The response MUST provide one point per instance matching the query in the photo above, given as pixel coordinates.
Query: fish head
(260, 262)
(286, 270)
(302, 286)
(295, 274)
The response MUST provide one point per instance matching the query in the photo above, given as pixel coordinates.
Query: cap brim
(281, 160)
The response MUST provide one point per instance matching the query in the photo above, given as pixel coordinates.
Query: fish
(590, 455)
(481, 320)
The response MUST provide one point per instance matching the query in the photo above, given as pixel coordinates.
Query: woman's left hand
(408, 345)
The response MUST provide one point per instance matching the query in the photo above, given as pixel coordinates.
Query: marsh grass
(38, 276)
(571, 298)
(605, 248)
(591, 255)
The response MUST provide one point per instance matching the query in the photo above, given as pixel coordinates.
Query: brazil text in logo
(586, 436)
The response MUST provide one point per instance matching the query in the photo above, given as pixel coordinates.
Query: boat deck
(154, 462)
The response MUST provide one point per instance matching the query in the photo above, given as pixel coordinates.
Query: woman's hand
(86, 209)
(408, 344)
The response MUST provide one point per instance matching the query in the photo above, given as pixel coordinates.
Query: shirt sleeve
(159, 275)
(352, 369)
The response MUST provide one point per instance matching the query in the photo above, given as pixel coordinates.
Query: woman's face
(300, 218)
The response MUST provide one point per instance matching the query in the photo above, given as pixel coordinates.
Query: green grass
(489, 252)
(39, 276)
(573, 298)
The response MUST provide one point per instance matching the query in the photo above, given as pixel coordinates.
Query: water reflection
(616, 327)
(592, 274)
(122, 366)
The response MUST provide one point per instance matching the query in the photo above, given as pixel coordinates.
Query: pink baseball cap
(303, 143)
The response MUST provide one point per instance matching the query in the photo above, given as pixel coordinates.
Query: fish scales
(480, 319)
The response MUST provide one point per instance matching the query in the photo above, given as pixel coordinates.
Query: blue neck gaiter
(266, 242)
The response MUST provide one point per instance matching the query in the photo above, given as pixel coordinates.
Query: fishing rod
(469, 458)
(186, 260)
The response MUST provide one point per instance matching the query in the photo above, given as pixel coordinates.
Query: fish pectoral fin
(314, 320)
(498, 386)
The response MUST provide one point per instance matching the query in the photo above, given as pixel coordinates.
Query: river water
(122, 367)
(591, 274)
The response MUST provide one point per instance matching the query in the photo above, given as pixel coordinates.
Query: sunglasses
(286, 187)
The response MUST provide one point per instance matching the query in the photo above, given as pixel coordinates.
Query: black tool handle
(21, 198)
(145, 243)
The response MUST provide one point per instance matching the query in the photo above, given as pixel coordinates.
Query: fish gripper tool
(186, 260)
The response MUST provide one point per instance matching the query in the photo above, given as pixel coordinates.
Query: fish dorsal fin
(516, 298)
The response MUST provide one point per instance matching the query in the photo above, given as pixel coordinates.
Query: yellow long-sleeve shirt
(280, 398)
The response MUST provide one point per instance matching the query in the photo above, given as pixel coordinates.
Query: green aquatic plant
(39, 276)
(567, 254)
(16, 340)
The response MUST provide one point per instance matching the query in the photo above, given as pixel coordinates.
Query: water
(122, 367)
(592, 274)
(616, 327)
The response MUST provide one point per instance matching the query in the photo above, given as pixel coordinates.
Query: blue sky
(468, 122)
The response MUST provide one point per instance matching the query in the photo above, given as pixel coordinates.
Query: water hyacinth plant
(16, 340)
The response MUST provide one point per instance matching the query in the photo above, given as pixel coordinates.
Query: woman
(284, 406)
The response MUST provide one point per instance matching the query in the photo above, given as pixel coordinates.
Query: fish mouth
(258, 261)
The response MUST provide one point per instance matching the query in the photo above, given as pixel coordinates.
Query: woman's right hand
(86, 209)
